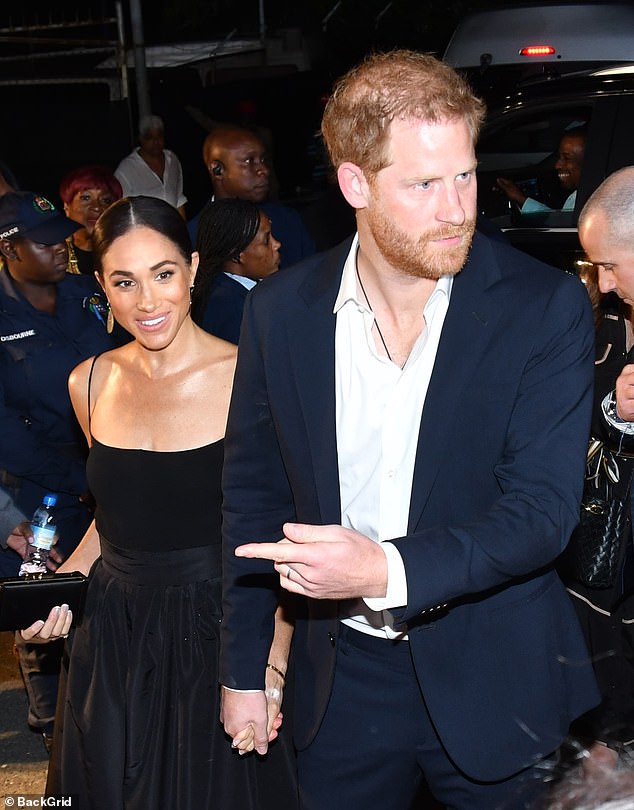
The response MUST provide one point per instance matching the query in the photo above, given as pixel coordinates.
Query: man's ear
(7, 249)
(216, 168)
(353, 185)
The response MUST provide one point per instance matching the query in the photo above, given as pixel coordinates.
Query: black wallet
(24, 601)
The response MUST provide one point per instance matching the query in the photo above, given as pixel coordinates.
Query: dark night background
(50, 128)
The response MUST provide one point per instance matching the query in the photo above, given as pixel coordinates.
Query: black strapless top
(157, 501)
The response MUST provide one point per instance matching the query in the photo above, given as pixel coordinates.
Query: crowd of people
(326, 568)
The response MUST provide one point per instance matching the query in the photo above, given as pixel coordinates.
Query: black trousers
(377, 743)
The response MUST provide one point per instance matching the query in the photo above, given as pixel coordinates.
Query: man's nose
(451, 209)
(606, 280)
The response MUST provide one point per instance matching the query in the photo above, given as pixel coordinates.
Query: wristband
(279, 672)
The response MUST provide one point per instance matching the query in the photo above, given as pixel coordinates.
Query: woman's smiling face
(147, 281)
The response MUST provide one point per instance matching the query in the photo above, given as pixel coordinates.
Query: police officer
(49, 322)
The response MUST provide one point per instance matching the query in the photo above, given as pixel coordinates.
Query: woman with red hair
(86, 193)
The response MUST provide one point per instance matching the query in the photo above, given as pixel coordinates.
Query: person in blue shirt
(572, 147)
(238, 164)
(237, 249)
(50, 321)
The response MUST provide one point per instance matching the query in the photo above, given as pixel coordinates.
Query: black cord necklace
(376, 323)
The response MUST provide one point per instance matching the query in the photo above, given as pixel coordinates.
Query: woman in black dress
(140, 716)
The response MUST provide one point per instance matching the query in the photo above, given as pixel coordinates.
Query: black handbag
(594, 554)
(24, 601)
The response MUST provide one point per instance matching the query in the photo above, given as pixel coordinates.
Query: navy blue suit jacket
(495, 496)
(222, 315)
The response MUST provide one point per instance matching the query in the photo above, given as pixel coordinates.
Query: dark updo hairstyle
(226, 227)
(136, 212)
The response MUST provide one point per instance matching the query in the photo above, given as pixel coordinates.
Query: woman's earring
(191, 294)
(110, 321)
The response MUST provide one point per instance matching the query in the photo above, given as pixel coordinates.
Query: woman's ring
(289, 571)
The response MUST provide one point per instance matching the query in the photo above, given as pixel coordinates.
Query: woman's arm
(275, 676)
(84, 555)
(78, 390)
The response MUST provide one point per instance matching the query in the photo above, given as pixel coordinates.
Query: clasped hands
(253, 719)
(324, 562)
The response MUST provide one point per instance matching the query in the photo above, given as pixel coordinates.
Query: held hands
(244, 716)
(56, 626)
(324, 562)
(20, 538)
(243, 711)
(625, 394)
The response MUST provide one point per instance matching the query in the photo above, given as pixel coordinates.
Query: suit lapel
(468, 326)
(466, 335)
(312, 334)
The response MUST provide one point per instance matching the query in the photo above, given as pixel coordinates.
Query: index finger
(283, 551)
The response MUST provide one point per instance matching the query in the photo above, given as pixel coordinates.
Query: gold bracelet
(279, 672)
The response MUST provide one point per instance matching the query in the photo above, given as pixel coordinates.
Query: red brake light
(537, 50)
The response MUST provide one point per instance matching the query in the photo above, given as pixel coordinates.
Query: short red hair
(86, 177)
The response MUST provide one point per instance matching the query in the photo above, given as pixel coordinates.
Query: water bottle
(43, 527)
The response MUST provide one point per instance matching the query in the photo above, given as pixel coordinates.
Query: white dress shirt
(247, 283)
(136, 177)
(378, 413)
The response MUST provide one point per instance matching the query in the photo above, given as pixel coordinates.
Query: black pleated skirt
(137, 724)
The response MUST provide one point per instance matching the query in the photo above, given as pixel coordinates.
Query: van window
(524, 151)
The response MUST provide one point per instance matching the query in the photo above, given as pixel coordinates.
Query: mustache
(451, 231)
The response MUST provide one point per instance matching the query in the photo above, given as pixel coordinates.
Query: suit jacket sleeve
(256, 503)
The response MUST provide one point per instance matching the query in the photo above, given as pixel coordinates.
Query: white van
(547, 35)
(581, 77)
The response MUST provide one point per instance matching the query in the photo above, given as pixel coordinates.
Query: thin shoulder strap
(92, 367)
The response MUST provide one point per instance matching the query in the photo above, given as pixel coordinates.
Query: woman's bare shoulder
(95, 364)
(218, 351)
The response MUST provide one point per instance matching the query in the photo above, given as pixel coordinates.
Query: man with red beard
(406, 444)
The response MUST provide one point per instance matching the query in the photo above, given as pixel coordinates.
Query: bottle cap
(50, 499)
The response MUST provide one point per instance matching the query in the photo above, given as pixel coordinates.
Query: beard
(418, 256)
